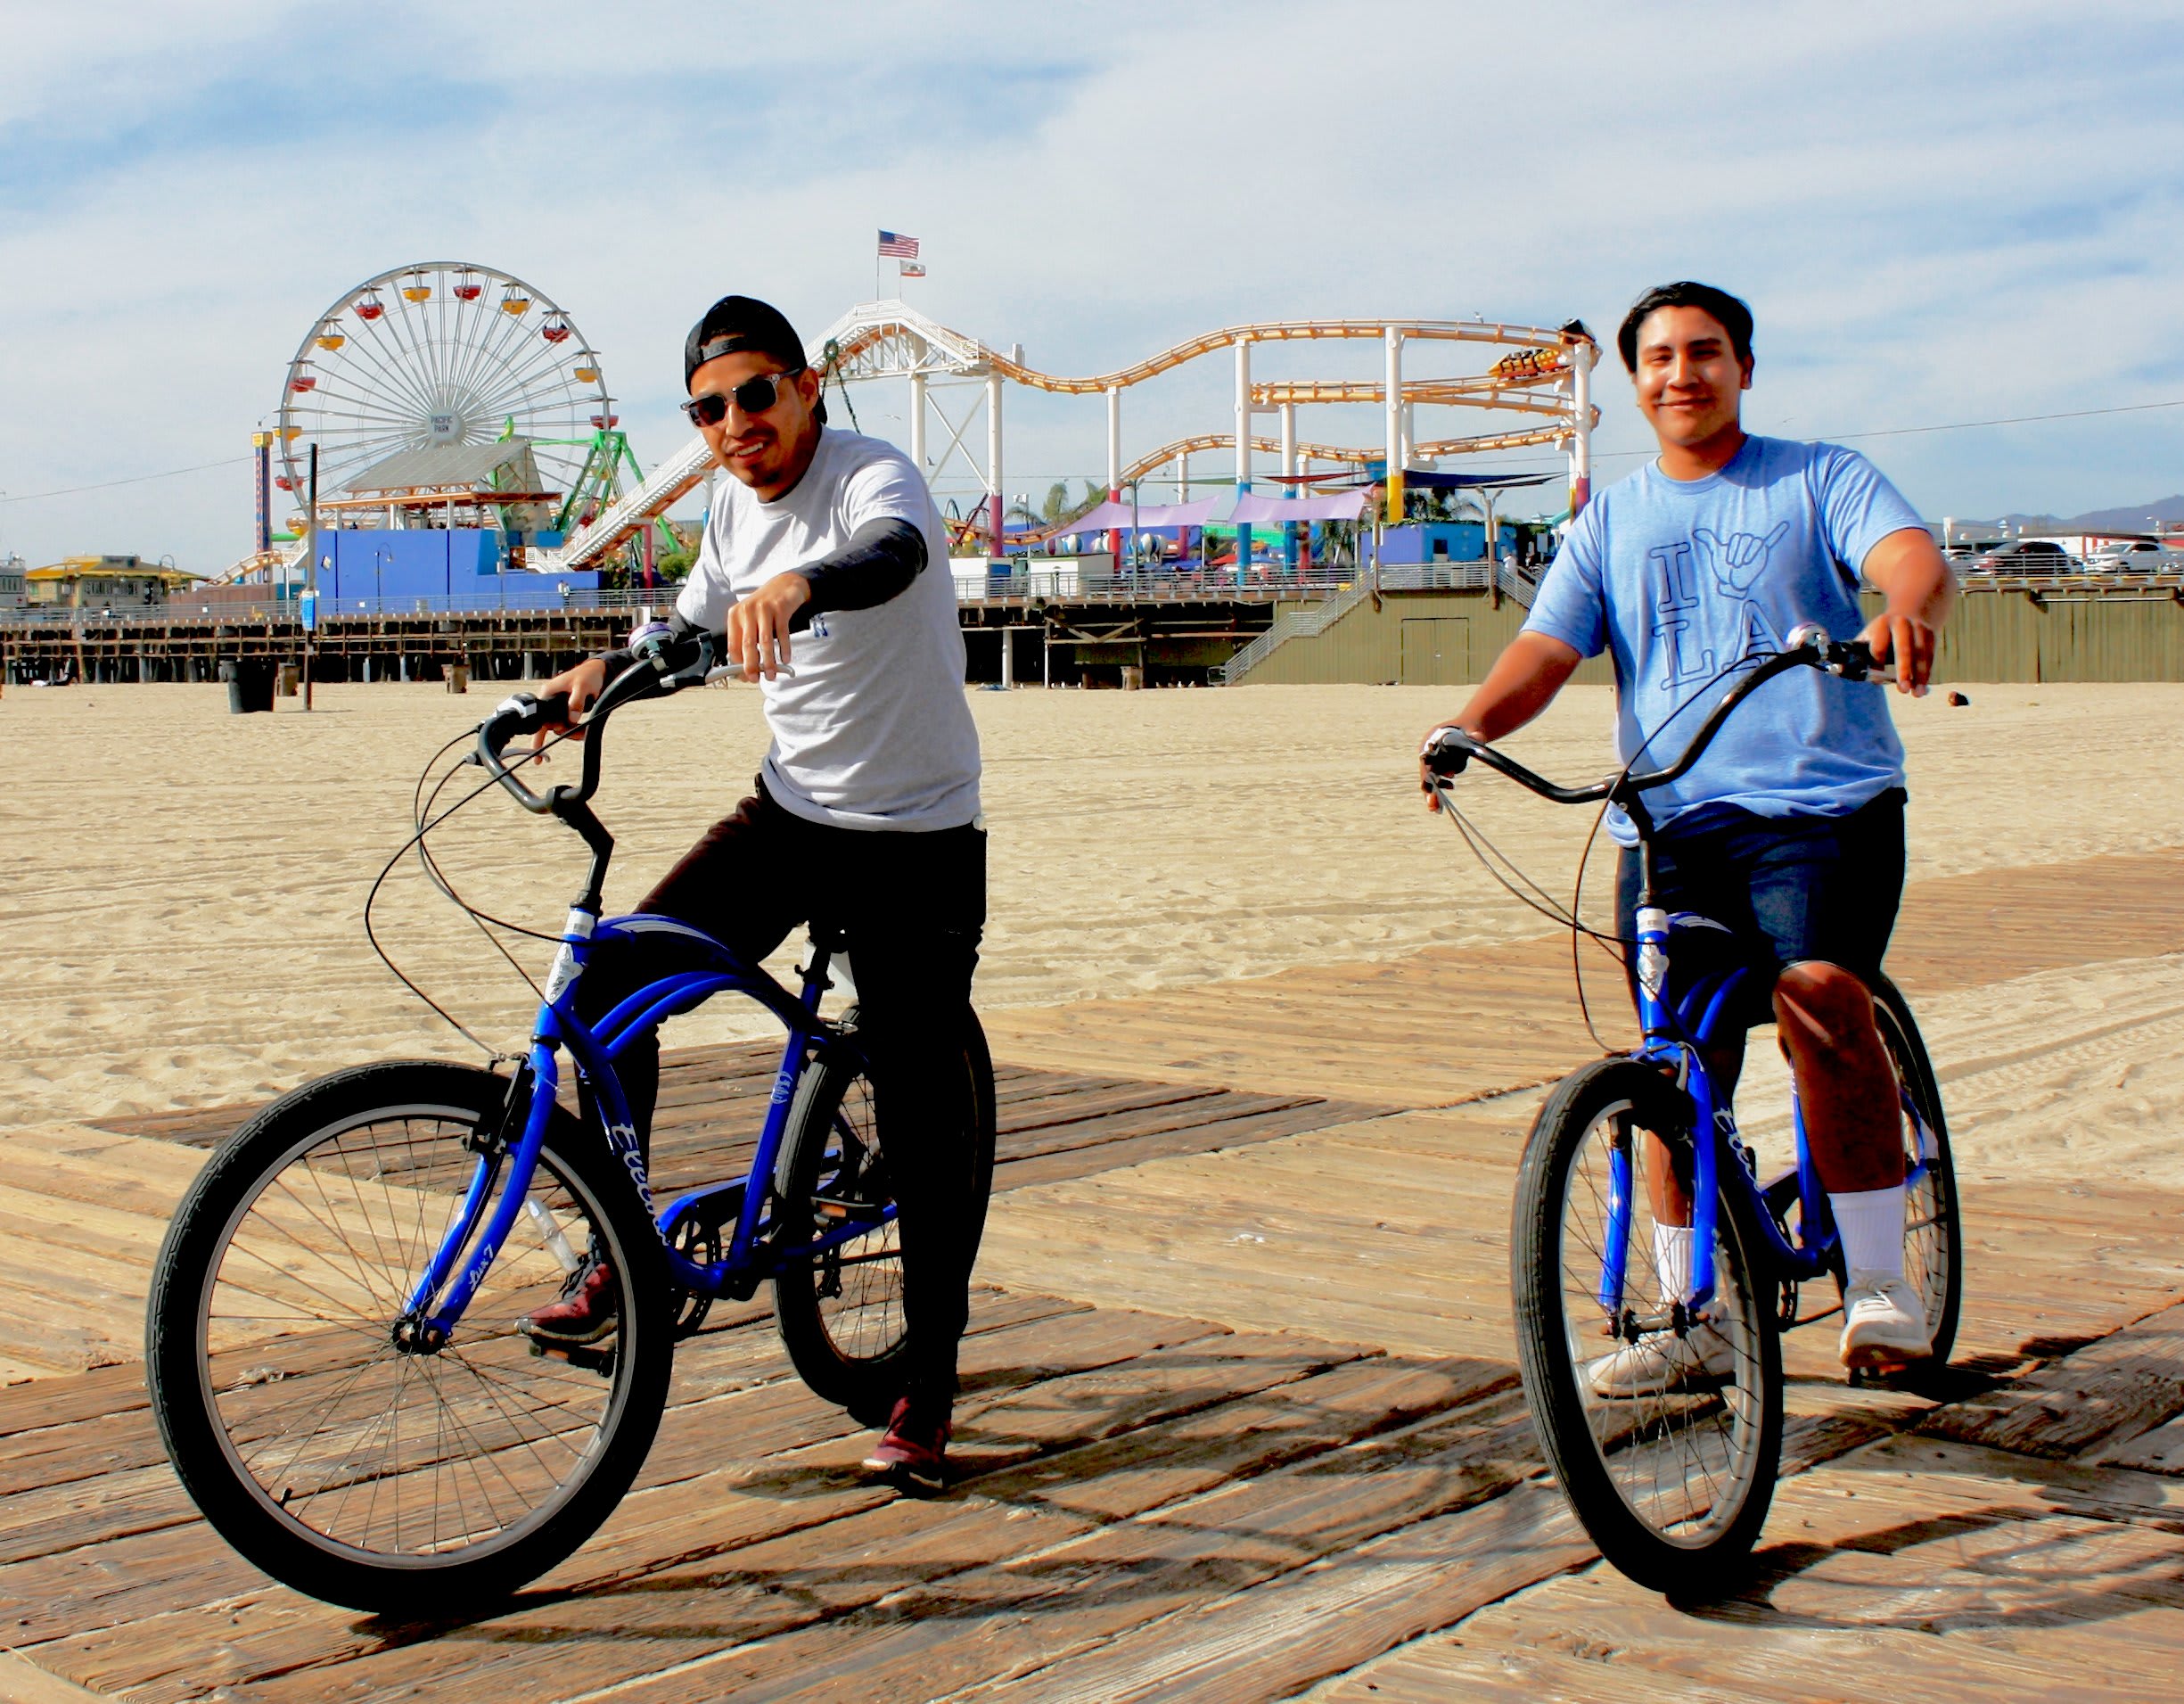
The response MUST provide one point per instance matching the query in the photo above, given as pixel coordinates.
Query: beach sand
(183, 916)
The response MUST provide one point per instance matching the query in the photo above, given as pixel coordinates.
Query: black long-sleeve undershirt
(879, 563)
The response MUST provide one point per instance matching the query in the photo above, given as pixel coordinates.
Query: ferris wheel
(437, 353)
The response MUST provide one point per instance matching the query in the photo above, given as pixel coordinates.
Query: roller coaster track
(1483, 443)
(887, 340)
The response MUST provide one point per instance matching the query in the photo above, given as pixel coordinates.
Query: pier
(1240, 1419)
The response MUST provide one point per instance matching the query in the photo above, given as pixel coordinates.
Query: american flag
(911, 269)
(904, 248)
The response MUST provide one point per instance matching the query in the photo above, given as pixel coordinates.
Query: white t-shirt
(874, 730)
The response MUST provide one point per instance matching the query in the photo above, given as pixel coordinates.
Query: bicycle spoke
(345, 1432)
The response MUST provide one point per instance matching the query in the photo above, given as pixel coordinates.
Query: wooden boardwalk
(1239, 1418)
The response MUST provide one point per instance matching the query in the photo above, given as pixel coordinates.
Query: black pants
(912, 908)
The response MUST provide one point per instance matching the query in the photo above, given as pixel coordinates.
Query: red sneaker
(913, 1450)
(591, 1303)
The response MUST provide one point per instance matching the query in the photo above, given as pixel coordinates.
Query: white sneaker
(1660, 1361)
(1884, 1322)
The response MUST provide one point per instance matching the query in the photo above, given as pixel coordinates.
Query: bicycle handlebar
(660, 668)
(1452, 749)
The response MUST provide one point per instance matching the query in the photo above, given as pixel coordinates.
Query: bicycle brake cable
(1616, 946)
(423, 824)
(480, 919)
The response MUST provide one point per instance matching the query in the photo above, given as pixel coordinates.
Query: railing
(1291, 624)
(1063, 584)
(232, 611)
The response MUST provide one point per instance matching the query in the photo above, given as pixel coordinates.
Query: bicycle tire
(854, 1355)
(1604, 1450)
(314, 1170)
(1934, 1230)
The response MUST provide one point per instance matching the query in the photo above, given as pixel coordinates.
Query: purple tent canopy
(1252, 510)
(1121, 517)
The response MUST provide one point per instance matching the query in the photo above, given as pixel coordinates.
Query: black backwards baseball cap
(735, 323)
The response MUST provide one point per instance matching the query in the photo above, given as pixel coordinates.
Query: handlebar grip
(522, 714)
(1448, 752)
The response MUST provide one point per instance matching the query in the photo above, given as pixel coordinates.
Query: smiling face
(768, 450)
(1688, 378)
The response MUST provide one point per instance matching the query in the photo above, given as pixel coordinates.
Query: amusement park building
(104, 583)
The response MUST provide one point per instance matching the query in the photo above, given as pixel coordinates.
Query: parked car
(2025, 556)
(2132, 556)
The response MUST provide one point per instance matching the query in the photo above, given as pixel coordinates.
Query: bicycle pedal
(577, 1354)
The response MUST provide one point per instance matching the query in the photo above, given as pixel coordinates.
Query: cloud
(1944, 212)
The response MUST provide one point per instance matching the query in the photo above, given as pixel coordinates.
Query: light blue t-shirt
(1682, 581)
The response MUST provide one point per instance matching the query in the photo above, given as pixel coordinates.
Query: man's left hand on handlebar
(757, 636)
(1907, 642)
(582, 684)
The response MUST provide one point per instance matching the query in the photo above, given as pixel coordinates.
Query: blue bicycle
(1652, 1270)
(332, 1344)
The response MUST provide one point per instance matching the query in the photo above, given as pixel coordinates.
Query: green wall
(1451, 639)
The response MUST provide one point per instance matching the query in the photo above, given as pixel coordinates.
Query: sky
(1941, 213)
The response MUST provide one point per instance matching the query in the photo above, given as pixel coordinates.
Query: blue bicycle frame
(1675, 1039)
(481, 1232)
(483, 1223)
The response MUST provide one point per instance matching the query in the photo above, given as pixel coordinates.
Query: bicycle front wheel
(841, 1313)
(1665, 1431)
(342, 1460)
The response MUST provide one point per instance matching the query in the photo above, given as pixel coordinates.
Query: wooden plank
(23, 1682)
(1133, 1472)
(2098, 1398)
(1008, 1627)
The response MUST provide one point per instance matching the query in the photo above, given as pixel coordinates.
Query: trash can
(249, 683)
(1133, 677)
(458, 677)
(285, 682)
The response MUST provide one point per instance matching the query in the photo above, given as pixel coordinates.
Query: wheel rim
(355, 1446)
(857, 1286)
(1682, 1460)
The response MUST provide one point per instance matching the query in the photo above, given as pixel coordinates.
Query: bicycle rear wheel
(1672, 1482)
(349, 1465)
(840, 1314)
(1933, 1232)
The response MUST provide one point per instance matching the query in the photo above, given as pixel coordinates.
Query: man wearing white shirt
(824, 567)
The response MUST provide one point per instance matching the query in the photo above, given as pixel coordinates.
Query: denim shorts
(1784, 889)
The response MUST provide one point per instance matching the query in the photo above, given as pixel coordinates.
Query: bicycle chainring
(698, 1242)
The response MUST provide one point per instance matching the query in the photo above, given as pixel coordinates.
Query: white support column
(1008, 657)
(993, 463)
(1244, 450)
(918, 422)
(1392, 397)
(1289, 483)
(1114, 468)
(1582, 355)
(1183, 477)
(1114, 442)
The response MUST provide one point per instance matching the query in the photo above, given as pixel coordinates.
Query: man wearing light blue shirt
(1789, 829)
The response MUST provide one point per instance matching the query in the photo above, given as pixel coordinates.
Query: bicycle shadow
(1182, 1506)
(2000, 1567)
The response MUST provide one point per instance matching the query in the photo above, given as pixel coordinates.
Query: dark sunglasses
(753, 396)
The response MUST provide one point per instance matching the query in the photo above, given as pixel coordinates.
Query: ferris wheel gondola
(438, 353)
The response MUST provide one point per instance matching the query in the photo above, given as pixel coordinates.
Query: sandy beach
(183, 914)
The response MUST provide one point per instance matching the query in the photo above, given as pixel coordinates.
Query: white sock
(1673, 1261)
(1871, 1222)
